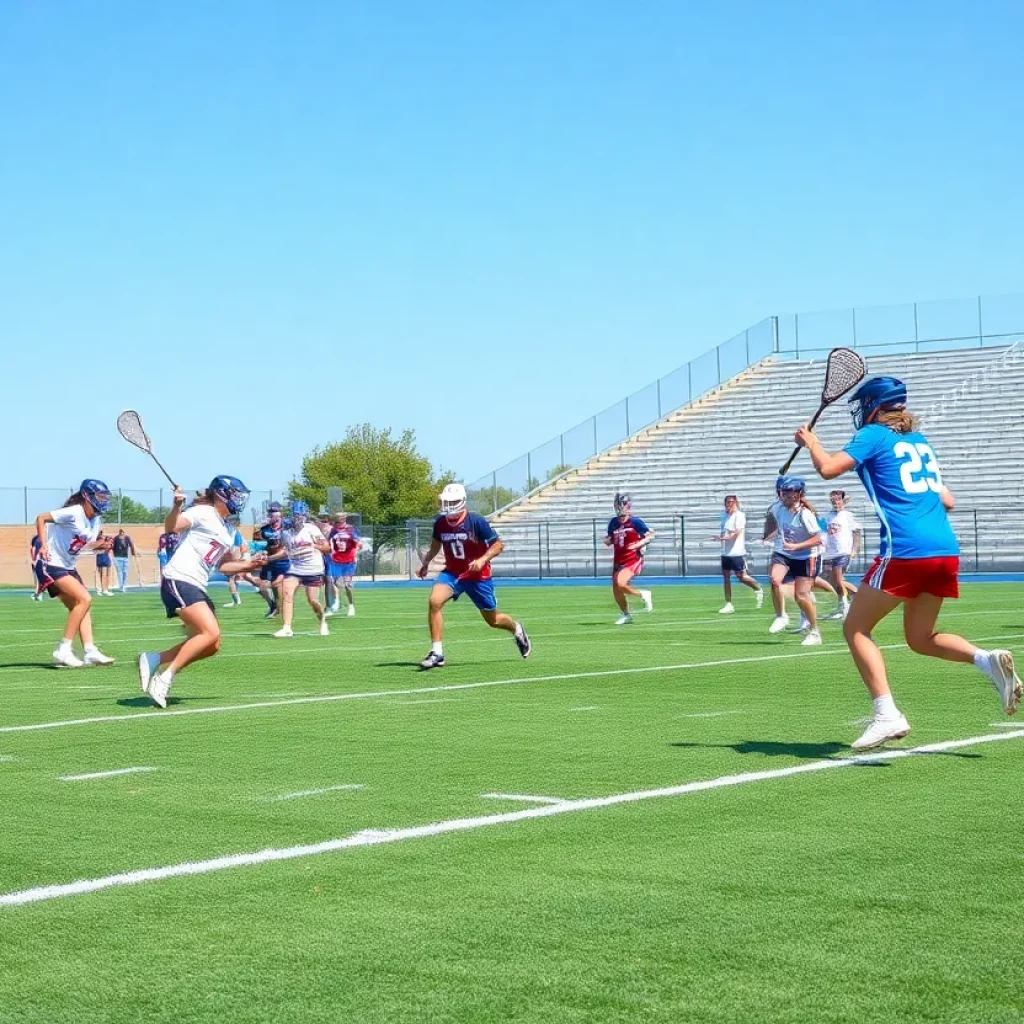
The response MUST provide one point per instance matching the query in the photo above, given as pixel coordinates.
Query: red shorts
(912, 577)
(634, 567)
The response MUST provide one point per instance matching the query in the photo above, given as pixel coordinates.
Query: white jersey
(305, 557)
(841, 527)
(68, 534)
(795, 527)
(201, 547)
(736, 523)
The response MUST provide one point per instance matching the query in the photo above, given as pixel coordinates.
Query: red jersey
(344, 541)
(624, 535)
(463, 543)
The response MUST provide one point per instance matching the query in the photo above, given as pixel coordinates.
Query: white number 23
(920, 471)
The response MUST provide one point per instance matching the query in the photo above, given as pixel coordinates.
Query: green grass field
(888, 890)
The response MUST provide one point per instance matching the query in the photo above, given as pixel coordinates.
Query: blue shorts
(481, 592)
(734, 563)
(314, 580)
(272, 570)
(47, 575)
(103, 561)
(839, 562)
(177, 594)
(338, 569)
(796, 568)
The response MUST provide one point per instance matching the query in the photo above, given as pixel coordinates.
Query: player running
(795, 539)
(63, 535)
(273, 572)
(345, 544)
(627, 536)
(205, 546)
(34, 547)
(305, 546)
(918, 559)
(470, 545)
(733, 537)
(842, 544)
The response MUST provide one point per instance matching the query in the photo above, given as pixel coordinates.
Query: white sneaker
(880, 730)
(158, 690)
(284, 631)
(149, 662)
(813, 639)
(351, 611)
(779, 623)
(1005, 680)
(324, 631)
(328, 613)
(109, 593)
(335, 608)
(648, 603)
(624, 620)
(97, 657)
(833, 616)
(726, 609)
(844, 610)
(759, 598)
(65, 658)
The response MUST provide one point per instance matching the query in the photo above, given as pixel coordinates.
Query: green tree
(382, 477)
(127, 510)
(562, 467)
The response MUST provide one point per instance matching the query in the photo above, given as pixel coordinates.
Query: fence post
(981, 330)
(718, 364)
(746, 343)
(547, 540)
(917, 346)
(594, 522)
(540, 553)
(689, 381)
(796, 334)
(373, 560)
(627, 417)
(977, 559)
(775, 333)
(120, 506)
(594, 419)
(659, 398)
(409, 527)
(529, 472)
(161, 499)
(682, 545)
(25, 489)
(561, 451)
(494, 491)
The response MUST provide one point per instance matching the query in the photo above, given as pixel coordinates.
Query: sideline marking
(376, 837)
(710, 714)
(103, 775)
(315, 792)
(525, 799)
(157, 715)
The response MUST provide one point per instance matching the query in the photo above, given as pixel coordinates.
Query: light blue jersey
(901, 474)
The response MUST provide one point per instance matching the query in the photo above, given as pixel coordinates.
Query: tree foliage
(127, 510)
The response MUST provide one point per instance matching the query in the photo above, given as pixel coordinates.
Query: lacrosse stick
(843, 372)
(130, 427)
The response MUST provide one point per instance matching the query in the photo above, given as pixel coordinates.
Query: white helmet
(453, 499)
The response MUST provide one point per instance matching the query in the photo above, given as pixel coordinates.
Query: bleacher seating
(734, 439)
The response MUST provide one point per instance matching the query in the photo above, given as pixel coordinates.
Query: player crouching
(470, 545)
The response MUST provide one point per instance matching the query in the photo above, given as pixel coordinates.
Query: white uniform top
(69, 532)
(201, 547)
(794, 527)
(736, 523)
(305, 558)
(842, 525)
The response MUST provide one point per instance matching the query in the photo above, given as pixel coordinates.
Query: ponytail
(806, 504)
(78, 498)
(897, 419)
(203, 497)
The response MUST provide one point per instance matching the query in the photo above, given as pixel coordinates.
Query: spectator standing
(123, 547)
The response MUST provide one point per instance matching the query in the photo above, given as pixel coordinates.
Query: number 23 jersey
(901, 474)
(201, 546)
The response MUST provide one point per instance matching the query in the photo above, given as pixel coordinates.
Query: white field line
(431, 700)
(1005, 725)
(377, 837)
(710, 714)
(104, 775)
(523, 798)
(6, 758)
(587, 707)
(316, 792)
(154, 715)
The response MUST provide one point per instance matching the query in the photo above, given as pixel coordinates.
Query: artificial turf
(885, 891)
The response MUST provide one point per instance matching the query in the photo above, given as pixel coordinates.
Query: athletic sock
(89, 648)
(885, 707)
(64, 645)
(435, 648)
(167, 673)
(981, 662)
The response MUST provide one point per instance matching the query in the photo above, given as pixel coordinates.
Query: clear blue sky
(260, 222)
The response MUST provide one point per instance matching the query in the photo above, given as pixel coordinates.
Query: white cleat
(66, 658)
(158, 690)
(328, 613)
(1005, 680)
(880, 731)
(231, 604)
(813, 639)
(324, 631)
(648, 603)
(149, 662)
(759, 598)
(284, 632)
(624, 620)
(351, 611)
(779, 623)
(97, 657)
(335, 608)
(726, 609)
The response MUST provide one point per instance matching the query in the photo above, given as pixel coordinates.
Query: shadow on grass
(398, 664)
(34, 664)
(808, 751)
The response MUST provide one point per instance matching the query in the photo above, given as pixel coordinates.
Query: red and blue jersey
(624, 535)
(463, 542)
(344, 541)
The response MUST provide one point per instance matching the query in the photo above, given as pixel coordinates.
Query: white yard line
(523, 798)
(710, 714)
(330, 698)
(377, 837)
(588, 707)
(316, 792)
(104, 775)
(431, 700)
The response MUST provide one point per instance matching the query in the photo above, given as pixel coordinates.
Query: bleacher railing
(877, 330)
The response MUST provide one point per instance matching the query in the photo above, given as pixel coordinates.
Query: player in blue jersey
(469, 544)
(918, 558)
(628, 535)
(277, 559)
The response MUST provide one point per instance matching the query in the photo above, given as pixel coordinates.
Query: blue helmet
(299, 508)
(779, 481)
(873, 394)
(231, 491)
(794, 483)
(274, 506)
(97, 492)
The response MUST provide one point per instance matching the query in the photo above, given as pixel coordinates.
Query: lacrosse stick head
(843, 372)
(874, 394)
(129, 426)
